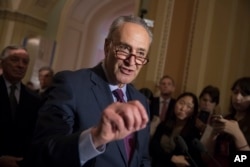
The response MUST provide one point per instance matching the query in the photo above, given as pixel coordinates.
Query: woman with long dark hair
(232, 133)
(163, 148)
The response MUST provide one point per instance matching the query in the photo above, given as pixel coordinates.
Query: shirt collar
(8, 84)
(163, 100)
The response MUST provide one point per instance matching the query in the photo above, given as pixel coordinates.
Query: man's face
(15, 65)
(45, 78)
(137, 41)
(166, 86)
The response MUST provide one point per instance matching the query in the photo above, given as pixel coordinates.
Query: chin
(124, 80)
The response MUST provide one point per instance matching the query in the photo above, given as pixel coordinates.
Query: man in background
(18, 107)
(45, 76)
(162, 106)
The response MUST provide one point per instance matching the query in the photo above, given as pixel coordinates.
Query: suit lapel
(5, 113)
(100, 88)
(104, 98)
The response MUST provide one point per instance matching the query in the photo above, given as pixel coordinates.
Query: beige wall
(207, 43)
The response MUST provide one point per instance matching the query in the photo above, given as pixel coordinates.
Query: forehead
(166, 80)
(206, 96)
(44, 71)
(17, 53)
(187, 99)
(134, 35)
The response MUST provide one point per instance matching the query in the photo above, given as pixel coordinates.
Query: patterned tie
(129, 140)
(13, 100)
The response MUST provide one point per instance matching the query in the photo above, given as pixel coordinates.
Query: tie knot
(164, 101)
(119, 95)
(12, 88)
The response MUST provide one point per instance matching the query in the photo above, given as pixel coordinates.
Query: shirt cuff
(87, 149)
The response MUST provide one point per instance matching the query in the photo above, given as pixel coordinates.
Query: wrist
(243, 147)
(97, 141)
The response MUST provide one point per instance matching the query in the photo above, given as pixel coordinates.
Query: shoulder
(72, 74)
(29, 92)
(155, 100)
(134, 92)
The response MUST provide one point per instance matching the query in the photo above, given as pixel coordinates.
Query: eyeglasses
(123, 52)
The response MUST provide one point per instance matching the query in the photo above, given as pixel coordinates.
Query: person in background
(95, 117)
(163, 148)
(161, 106)
(148, 94)
(208, 100)
(31, 86)
(45, 76)
(231, 133)
(18, 107)
(167, 88)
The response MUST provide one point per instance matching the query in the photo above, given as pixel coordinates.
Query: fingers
(132, 116)
(119, 120)
(138, 115)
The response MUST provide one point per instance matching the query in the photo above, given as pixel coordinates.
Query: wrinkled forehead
(22, 53)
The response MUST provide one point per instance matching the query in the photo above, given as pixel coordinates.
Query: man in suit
(17, 118)
(83, 124)
(45, 76)
(161, 107)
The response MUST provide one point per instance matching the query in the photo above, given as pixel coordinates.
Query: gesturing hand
(119, 120)
(9, 161)
(227, 126)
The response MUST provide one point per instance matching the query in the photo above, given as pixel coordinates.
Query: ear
(107, 46)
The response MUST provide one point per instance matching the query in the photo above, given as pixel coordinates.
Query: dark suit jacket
(16, 134)
(155, 107)
(75, 104)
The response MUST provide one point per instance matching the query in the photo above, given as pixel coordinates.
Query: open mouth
(126, 71)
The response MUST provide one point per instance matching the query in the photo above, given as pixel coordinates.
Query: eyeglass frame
(128, 55)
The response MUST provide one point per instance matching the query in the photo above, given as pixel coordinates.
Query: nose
(131, 60)
(238, 96)
(21, 63)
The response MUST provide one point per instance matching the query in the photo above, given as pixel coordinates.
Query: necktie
(163, 110)
(13, 100)
(129, 140)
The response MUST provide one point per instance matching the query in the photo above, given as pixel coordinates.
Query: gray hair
(131, 19)
(4, 53)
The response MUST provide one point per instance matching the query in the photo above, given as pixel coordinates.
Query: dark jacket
(16, 134)
(75, 104)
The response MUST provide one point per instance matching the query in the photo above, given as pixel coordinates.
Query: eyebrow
(126, 44)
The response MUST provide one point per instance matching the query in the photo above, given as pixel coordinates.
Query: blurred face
(45, 78)
(240, 101)
(166, 87)
(206, 103)
(15, 65)
(134, 38)
(184, 108)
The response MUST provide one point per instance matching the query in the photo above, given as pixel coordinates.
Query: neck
(180, 122)
(10, 80)
(240, 115)
(165, 97)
